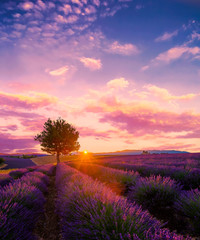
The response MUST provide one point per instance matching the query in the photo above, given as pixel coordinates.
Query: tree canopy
(58, 137)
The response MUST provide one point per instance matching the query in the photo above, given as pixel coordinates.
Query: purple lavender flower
(21, 203)
(164, 234)
(155, 192)
(189, 204)
(89, 210)
(18, 173)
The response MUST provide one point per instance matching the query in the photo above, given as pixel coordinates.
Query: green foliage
(2, 160)
(58, 137)
(28, 156)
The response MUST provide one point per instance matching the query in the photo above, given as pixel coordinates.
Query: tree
(58, 137)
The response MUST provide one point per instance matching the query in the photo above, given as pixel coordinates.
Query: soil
(47, 227)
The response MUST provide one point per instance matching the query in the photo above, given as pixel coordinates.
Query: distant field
(183, 160)
(100, 190)
(52, 159)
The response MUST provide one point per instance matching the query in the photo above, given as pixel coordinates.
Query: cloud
(35, 125)
(66, 8)
(25, 87)
(19, 26)
(9, 143)
(164, 94)
(89, 132)
(9, 127)
(140, 123)
(91, 63)
(13, 113)
(38, 100)
(27, 5)
(90, 9)
(176, 145)
(123, 49)
(41, 4)
(141, 118)
(195, 134)
(70, 19)
(195, 35)
(176, 53)
(96, 2)
(59, 71)
(118, 83)
(77, 2)
(144, 68)
(166, 36)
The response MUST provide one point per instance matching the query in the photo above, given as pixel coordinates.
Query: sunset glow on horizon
(125, 73)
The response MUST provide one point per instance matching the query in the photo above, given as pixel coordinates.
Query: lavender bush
(155, 192)
(46, 169)
(189, 178)
(36, 179)
(16, 221)
(89, 210)
(18, 173)
(5, 179)
(21, 203)
(189, 204)
(108, 175)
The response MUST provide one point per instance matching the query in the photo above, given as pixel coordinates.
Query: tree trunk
(58, 158)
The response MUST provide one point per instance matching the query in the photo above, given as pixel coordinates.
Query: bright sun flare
(85, 152)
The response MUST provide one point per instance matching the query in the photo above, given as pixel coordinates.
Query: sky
(124, 73)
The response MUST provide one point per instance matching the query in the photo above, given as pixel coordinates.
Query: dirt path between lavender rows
(47, 227)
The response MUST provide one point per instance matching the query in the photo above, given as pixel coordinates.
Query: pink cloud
(12, 113)
(26, 102)
(176, 53)
(142, 122)
(41, 4)
(166, 36)
(9, 143)
(27, 5)
(91, 63)
(118, 83)
(123, 49)
(25, 87)
(195, 134)
(177, 146)
(34, 124)
(96, 2)
(59, 71)
(165, 95)
(9, 127)
(89, 132)
(90, 9)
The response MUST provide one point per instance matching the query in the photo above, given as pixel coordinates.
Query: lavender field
(141, 197)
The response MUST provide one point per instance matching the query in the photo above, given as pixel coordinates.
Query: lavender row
(150, 192)
(160, 195)
(188, 204)
(89, 210)
(6, 178)
(21, 203)
(190, 179)
(184, 161)
(113, 177)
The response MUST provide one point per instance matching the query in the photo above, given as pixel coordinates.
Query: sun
(85, 152)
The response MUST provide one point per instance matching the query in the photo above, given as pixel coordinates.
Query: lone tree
(58, 137)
